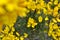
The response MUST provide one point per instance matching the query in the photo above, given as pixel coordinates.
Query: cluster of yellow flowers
(32, 22)
(9, 33)
(54, 28)
(11, 9)
(49, 9)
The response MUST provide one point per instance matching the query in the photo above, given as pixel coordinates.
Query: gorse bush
(24, 19)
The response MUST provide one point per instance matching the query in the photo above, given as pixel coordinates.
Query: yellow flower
(55, 26)
(2, 11)
(59, 5)
(46, 18)
(25, 35)
(21, 38)
(31, 22)
(10, 7)
(56, 8)
(38, 6)
(53, 36)
(6, 30)
(1, 35)
(55, 14)
(55, 11)
(12, 29)
(31, 5)
(42, 4)
(40, 18)
(16, 38)
(45, 11)
(33, 25)
(17, 34)
(38, 12)
(22, 12)
(2, 2)
(58, 33)
(56, 2)
(50, 3)
(50, 28)
(9, 19)
(58, 18)
(49, 10)
(28, 25)
(58, 30)
(54, 20)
